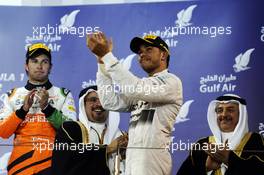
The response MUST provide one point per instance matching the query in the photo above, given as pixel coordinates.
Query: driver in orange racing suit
(33, 113)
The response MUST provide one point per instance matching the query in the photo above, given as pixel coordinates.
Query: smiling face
(38, 69)
(93, 108)
(152, 59)
(227, 116)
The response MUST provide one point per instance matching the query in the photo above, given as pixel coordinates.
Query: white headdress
(242, 126)
(112, 122)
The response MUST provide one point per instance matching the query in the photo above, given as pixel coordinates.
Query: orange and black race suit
(34, 130)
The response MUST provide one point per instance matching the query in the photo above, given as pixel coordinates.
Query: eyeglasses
(92, 99)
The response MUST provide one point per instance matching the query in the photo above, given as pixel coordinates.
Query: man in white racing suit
(154, 102)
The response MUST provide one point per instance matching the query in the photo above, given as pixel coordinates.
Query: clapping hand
(99, 44)
(43, 96)
(217, 156)
(29, 99)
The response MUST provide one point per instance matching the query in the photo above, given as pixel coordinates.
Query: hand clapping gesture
(99, 44)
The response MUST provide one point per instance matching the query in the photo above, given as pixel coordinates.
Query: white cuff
(101, 70)
(109, 59)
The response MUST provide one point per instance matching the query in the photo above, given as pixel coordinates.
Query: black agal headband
(228, 98)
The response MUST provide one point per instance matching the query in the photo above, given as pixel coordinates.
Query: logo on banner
(242, 61)
(67, 21)
(88, 83)
(7, 77)
(217, 83)
(125, 62)
(262, 34)
(182, 115)
(184, 111)
(185, 16)
(184, 26)
(10, 77)
(261, 129)
(226, 83)
(52, 34)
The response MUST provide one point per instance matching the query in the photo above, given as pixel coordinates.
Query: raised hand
(99, 44)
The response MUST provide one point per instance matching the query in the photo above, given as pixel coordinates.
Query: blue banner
(216, 48)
